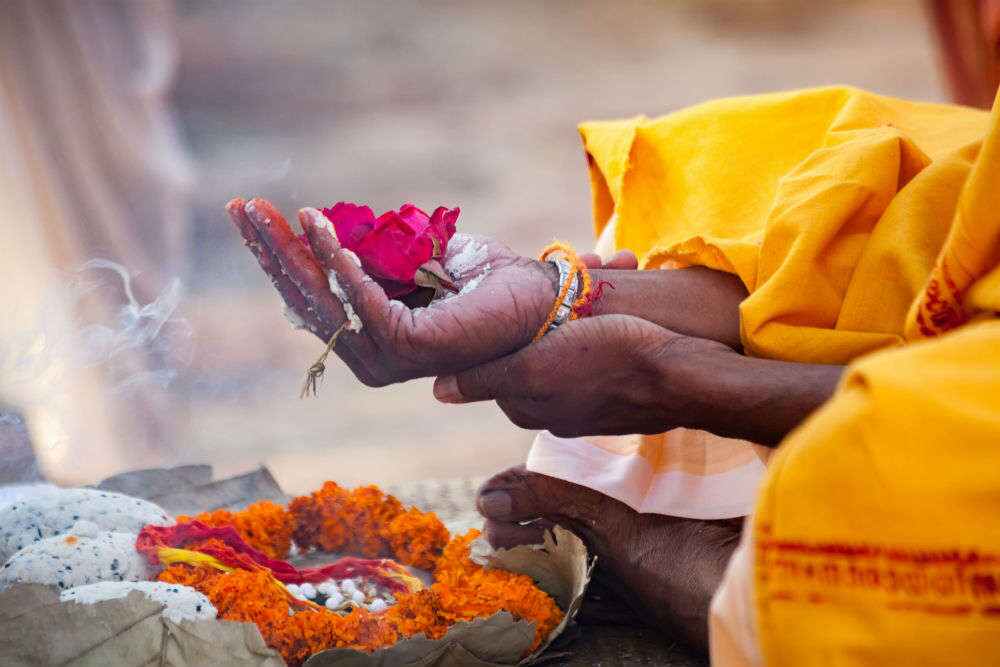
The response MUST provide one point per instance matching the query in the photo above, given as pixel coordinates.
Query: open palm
(503, 301)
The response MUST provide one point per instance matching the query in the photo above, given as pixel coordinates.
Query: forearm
(696, 302)
(760, 400)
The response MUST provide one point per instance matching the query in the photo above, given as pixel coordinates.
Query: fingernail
(446, 389)
(495, 503)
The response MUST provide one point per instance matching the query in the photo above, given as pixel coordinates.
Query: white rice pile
(342, 595)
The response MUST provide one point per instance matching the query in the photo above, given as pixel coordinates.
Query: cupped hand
(504, 298)
(607, 375)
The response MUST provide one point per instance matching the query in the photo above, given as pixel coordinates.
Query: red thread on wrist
(585, 305)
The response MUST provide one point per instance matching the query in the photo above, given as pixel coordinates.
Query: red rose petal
(393, 246)
(351, 222)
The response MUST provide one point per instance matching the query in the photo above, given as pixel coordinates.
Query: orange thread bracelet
(576, 269)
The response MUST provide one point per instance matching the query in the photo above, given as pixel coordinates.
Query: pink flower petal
(396, 244)
(414, 216)
(351, 222)
(442, 226)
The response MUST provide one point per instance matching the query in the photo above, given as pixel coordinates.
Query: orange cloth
(875, 540)
(830, 204)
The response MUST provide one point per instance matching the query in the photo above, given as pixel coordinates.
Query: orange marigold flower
(335, 519)
(195, 577)
(368, 513)
(416, 538)
(467, 590)
(416, 613)
(367, 522)
(455, 556)
(318, 518)
(252, 597)
(264, 525)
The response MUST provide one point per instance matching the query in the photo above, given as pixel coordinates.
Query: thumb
(509, 377)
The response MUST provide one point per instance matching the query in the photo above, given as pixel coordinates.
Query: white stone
(179, 602)
(54, 512)
(68, 561)
(308, 590)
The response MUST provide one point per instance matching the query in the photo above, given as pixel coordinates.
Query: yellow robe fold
(832, 206)
(867, 230)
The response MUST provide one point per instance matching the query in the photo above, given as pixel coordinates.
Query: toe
(519, 495)
(507, 497)
(505, 535)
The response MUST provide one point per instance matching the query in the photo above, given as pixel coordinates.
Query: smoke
(91, 324)
(64, 340)
(138, 327)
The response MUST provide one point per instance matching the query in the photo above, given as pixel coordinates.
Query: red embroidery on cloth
(941, 312)
(936, 581)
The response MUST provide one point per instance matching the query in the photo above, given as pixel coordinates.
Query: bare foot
(666, 567)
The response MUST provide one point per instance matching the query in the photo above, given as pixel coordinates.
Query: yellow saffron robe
(867, 230)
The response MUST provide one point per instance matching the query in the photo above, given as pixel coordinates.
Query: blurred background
(126, 126)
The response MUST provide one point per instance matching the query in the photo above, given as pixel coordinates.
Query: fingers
(297, 260)
(515, 376)
(326, 248)
(482, 383)
(366, 297)
(624, 260)
(272, 267)
(322, 237)
(289, 291)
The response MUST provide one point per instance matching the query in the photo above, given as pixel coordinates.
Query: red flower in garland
(401, 250)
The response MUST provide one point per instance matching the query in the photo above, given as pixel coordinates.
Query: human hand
(505, 299)
(607, 375)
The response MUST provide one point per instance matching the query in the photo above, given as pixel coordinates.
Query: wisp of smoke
(139, 326)
(91, 321)
(62, 341)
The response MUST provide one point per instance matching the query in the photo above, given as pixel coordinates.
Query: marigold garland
(416, 538)
(368, 522)
(265, 525)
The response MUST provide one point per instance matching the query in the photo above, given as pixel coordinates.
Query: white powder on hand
(469, 257)
(180, 603)
(469, 286)
(350, 255)
(294, 319)
(353, 321)
(322, 222)
(474, 283)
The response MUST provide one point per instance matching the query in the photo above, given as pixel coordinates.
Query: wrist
(694, 378)
(547, 291)
(760, 400)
